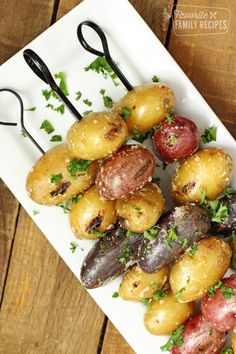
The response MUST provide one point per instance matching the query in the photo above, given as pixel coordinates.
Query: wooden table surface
(44, 309)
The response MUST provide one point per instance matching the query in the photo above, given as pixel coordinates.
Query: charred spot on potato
(96, 222)
(114, 131)
(188, 187)
(142, 170)
(61, 189)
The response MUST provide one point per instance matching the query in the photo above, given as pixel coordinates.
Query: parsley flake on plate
(47, 126)
(78, 95)
(73, 246)
(100, 65)
(32, 109)
(87, 102)
(62, 84)
(66, 206)
(115, 294)
(155, 78)
(56, 138)
(108, 102)
(209, 135)
(193, 250)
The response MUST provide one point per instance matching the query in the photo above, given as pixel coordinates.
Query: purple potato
(111, 256)
(179, 228)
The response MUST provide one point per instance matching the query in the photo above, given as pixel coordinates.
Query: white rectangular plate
(140, 55)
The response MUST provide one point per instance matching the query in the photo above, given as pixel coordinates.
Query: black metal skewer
(21, 119)
(38, 66)
(105, 53)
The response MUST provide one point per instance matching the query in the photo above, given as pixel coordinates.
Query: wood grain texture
(210, 63)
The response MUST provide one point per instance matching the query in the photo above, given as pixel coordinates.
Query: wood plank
(45, 309)
(209, 62)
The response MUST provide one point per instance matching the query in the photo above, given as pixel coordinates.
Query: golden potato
(141, 210)
(207, 171)
(97, 135)
(91, 215)
(147, 104)
(167, 314)
(50, 183)
(234, 340)
(194, 272)
(138, 285)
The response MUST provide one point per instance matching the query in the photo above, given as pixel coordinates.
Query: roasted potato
(137, 285)
(194, 272)
(207, 171)
(111, 256)
(199, 337)
(176, 138)
(141, 210)
(219, 306)
(50, 183)
(97, 135)
(234, 340)
(92, 215)
(176, 230)
(167, 314)
(147, 104)
(125, 171)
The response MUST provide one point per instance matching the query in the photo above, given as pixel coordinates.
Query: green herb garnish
(172, 140)
(193, 250)
(102, 92)
(100, 65)
(226, 351)
(95, 232)
(47, 126)
(130, 233)
(218, 211)
(197, 233)
(169, 115)
(85, 113)
(176, 338)
(23, 133)
(76, 166)
(55, 138)
(78, 95)
(73, 246)
(125, 113)
(228, 192)
(108, 102)
(209, 135)
(185, 243)
(147, 250)
(171, 236)
(134, 206)
(87, 102)
(155, 78)
(35, 212)
(115, 295)
(68, 204)
(159, 294)
(140, 137)
(146, 302)
(203, 197)
(32, 109)
(56, 179)
(179, 293)
(126, 253)
(62, 84)
(151, 234)
(225, 291)
(60, 109)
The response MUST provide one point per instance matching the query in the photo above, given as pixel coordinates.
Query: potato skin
(199, 337)
(91, 211)
(137, 285)
(218, 311)
(166, 315)
(193, 275)
(190, 223)
(141, 210)
(54, 162)
(234, 340)
(97, 135)
(125, 171)
(208, 170)
(148, 105)
(111, 256)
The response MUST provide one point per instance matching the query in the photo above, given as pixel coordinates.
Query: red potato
(176, 139)
(199, 337)
(220, 310)
(125, 171)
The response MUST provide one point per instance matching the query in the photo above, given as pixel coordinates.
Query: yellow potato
(92, 214)
(207, 171)
(97, 135)
(141, 210)
(138, 285)
(54, 162)
(234, 340)
(167, 314)
(148, 105)
(193, 274)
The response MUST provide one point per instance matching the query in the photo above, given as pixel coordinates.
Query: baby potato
(195, 271)
(207, 171)
(234, 340)
(50, 183)
(141, 210)
(97, 135)
(166, 315)
(147, 104)
(91, 214)
(138, 285)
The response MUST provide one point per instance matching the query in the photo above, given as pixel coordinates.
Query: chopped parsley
(188, 280)
(225, 291)
(68, 204)
(87, 102)
(233, 258)
(176, 338)
(147, 250)
(155, 78)
(126, 253)
(60, 109)
(115, 294)
(56, 179)
(55, 138)
(108, 102)
(23, 133)
(140, 137)
(159, 294)
(47, 126)
(151, 234)
(203, 197)
(130, 233)
(185, 243)
(218, 211)
(197, 233)
(226, 351)
(78, 95)
(179, 293)
(76, 166)
(125, 112)
(32, 109)
(171, 236)
(134, 206)
(47, 94)
(100, 65)
(169, 115)
(62, 84)
(172, 140)
(193, 250)
(102, 92)
(73, 246)
(209, 135)
(146, 302)
(156, 180)
(85, 113)
(35, 212)
(95, 232)
(228, 192)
